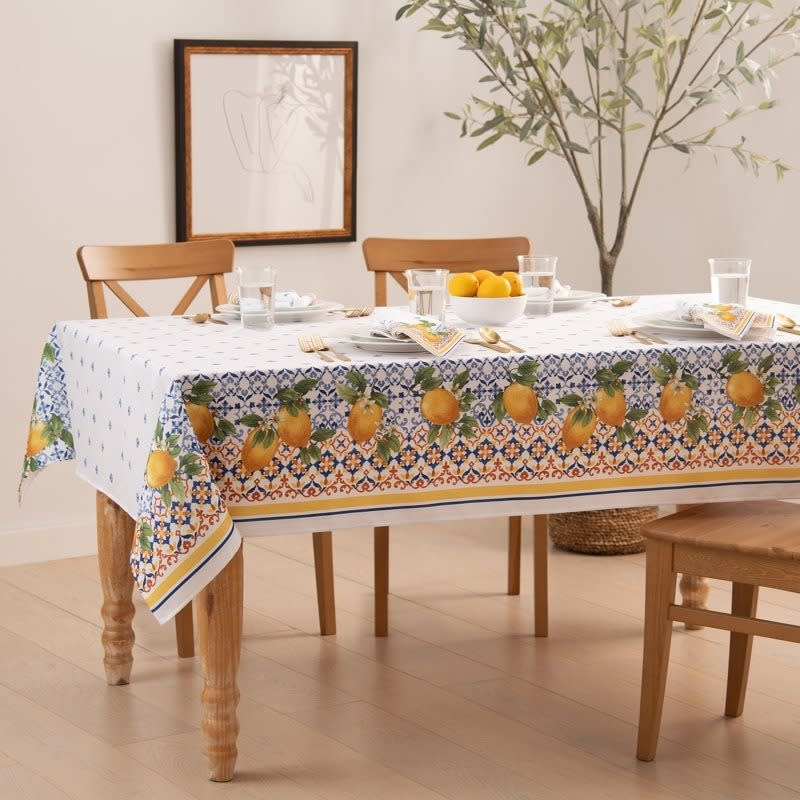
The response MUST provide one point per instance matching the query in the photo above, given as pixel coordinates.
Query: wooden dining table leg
(219, 632)
(114, 540)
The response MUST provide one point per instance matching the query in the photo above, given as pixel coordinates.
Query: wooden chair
(751, 544)
(205, 262)
(390, 258)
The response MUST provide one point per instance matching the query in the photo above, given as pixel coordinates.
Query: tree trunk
(607, 264)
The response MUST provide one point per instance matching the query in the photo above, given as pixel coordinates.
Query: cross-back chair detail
(390, 257)
(207, 262)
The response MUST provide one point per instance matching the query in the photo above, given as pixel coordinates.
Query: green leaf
(633, 96)
(536, 156)
(498, 409)
(49, 353)
(660, 376)
(347, 393)
(578, 148)
(489, 141)
(251, 420)
(740, 53)
(572, 400)
(323, 434)
(66, 437)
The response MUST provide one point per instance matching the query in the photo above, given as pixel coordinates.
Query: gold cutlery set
(313, 343)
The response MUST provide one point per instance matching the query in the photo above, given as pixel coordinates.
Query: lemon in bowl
(485, 298)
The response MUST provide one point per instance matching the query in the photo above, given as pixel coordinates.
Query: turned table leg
(694, 593)
(219, 628)
(114, 540)
(694, 589)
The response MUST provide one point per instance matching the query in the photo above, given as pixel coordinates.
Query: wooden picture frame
(265, 141)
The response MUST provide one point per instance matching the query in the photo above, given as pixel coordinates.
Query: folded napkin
(729, 320)
(437, 338)
(560, 290)
(293, 300)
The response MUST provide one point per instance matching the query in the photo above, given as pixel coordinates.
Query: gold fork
(364, 311)
(321, 347)
(307, 346)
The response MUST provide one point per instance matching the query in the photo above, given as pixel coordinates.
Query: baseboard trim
(47, 544)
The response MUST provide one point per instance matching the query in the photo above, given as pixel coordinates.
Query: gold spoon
(787, 324)
(618, 302)
(203, 316)
(619, 327)
(483, 343)
(491, 336)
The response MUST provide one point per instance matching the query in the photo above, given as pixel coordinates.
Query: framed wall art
(265, 141)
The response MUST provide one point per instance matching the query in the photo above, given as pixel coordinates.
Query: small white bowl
(488, 310)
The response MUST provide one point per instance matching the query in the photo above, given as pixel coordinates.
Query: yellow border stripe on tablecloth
(188, 564)
(477, 491)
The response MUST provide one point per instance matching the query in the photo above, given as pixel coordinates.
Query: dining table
(201, 434)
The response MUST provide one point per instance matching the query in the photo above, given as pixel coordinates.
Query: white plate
(676, 327)
(575, 299)
(231, 311)
(375, 344)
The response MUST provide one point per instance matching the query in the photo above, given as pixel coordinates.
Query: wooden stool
(751, 544)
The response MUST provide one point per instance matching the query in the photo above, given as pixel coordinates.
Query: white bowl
(488, 310)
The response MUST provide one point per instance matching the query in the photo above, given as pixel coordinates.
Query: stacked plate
(574, 299)
(382, 344)
(299, 314)
(666, 324)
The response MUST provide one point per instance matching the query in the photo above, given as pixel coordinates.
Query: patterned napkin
(437, 338)
(729, 320)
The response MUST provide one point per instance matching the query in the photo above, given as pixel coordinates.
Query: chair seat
(759, 528)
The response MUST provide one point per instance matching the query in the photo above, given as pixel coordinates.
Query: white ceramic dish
(575, 299)
(675, 327)
(376, 344)
(231, 311)
(488, 310)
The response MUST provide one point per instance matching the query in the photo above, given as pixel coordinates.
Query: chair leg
(323, 571)
(743, 604)
(184, 632)
(540, 601)
(659, 595)
(514, 553)
(381, 535)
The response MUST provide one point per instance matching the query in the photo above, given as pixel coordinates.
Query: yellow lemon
(494, 287)
(257, 456)
(516, 283)
(37, 439)
(439, 406)
(364, 420)
(202, 421)
(160, 470)
(483, 274)
(294, 430)
(463, 284)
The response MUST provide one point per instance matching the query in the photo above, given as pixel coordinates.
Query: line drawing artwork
(265, 138)
(297, 100)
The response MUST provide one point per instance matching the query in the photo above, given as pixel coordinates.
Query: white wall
(87, 157)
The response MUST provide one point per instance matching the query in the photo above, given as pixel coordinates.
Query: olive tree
(604, 84)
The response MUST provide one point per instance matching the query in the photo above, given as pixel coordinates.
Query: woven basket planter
(611, 532)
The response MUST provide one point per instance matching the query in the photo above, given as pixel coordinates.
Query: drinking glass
(730, 280)
(427, 292)
(256, 296)
(537, 274)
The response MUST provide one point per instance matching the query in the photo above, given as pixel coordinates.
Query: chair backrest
(204, 260)
(393, 256)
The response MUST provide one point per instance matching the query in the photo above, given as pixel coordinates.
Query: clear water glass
(730, 280)
(256, 296)
(537, 274)
(427, 292)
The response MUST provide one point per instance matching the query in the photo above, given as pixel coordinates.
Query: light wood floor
(459, 702)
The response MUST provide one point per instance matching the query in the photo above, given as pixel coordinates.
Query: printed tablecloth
(189, 427)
